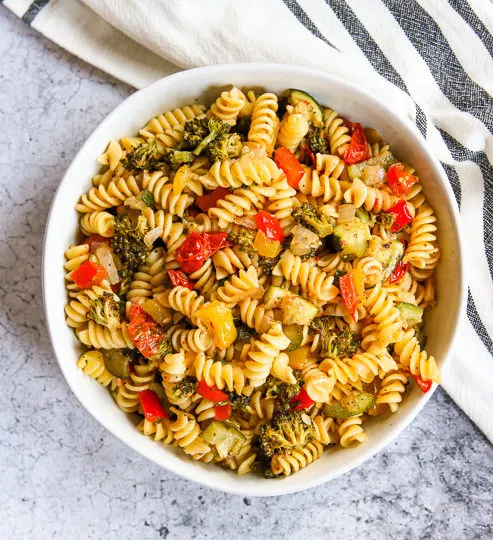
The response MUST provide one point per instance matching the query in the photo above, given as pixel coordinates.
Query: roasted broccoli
(227, 146)
(268, 263)
(145, 156)
(385, 219)
(283, 392)
(307, 216)
(174, 158)
(200, 132)
(244, 332)
(185, 388)
(128, 243)
(335, 345)
(244, 238)
(105, 310)
(148, 198)
(242, 126)
(239, 402)
(316, 141)
(165, 348)
(287, 430)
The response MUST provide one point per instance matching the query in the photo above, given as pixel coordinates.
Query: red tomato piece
(88, 275)
(212, 393)
(357, 150)
(209, 200)
(197, 248)
(151, 406)
(423, 385)
(302, 400)
(94, 241)
(179, 278)
(399, 180)
(214, 242)
(310, 155)
(144, 332)
(286, 160)
(349, 125)
(269, 225)
(222, 412)
(348, 292)
(402, 216)
(399, 271)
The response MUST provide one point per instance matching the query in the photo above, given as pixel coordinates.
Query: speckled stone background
(62, 476)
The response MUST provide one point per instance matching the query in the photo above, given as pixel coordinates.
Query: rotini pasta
(252, 310)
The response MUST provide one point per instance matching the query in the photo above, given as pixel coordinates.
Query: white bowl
(204, 83)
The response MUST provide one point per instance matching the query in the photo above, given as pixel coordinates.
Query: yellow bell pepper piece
(218, 319)
(265, 246)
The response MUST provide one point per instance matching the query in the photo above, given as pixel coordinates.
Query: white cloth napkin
(430, 60)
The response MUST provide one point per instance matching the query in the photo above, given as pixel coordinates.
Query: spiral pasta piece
(102, 223)
(391, 390)
(385, 314)
(159, 431)
(324, 186)
(215, 373)
(318, 384)
(239, 287)
(92, 364)
(291, 461)
(421, 245)
(186, 434)
(255, 315)
(245, 171)
(173, 232)
(101, 197)
(337, 132)
(410, 356)
(350, 431)
(171, 120)
(194, 339)
(329, 165)
(183, 300)
(228, 105)
(292, 130)
(140, 379)
(263, 353)
(265, 124)
(112, 155)
(229, 260)
(235, 205)
(100, 337)
(314, 282)
(163, 193)
(372, 199)
(205, 278)
(325, 430)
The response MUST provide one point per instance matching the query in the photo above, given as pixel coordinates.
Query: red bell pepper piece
(151, 406)
(310, 155)
(209, 200)
(302, 400)
(94, 241)
(402, 216)
(348, 292)
(286, 160)
(212, 393)
(399, 271)
(357, 150)
(198, 247)
(423, 385)
(222, 412)
(88, 275)
(144, 332)
(269, 225)
(179, 278)
(399, 180)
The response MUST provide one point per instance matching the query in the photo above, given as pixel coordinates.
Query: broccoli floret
(239, 403)
(307, 216)
(316, 141)
(385, 219)
(283, 392)
(225, 147)
(174, 158)
(335, 345)
(243, 126)
(312, 253)
(244, 238)
(165, 348)
(287, 430)
(128, 243)
(244, 332)
(105, 310)
(148, 198)
(200, 132)
(185, 388)
(145, 156)
(268, 263)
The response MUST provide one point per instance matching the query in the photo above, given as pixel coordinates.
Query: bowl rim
(404, 124)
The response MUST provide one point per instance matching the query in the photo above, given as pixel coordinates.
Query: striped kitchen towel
(432, 59)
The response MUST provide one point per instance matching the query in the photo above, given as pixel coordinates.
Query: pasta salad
(251, 280)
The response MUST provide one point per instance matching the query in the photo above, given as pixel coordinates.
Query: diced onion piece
(252, 149)
(247, 221)
(152, 236)
(303, 241)
(373, 175)
(135, 204)
(346, 213)
(105, 258)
